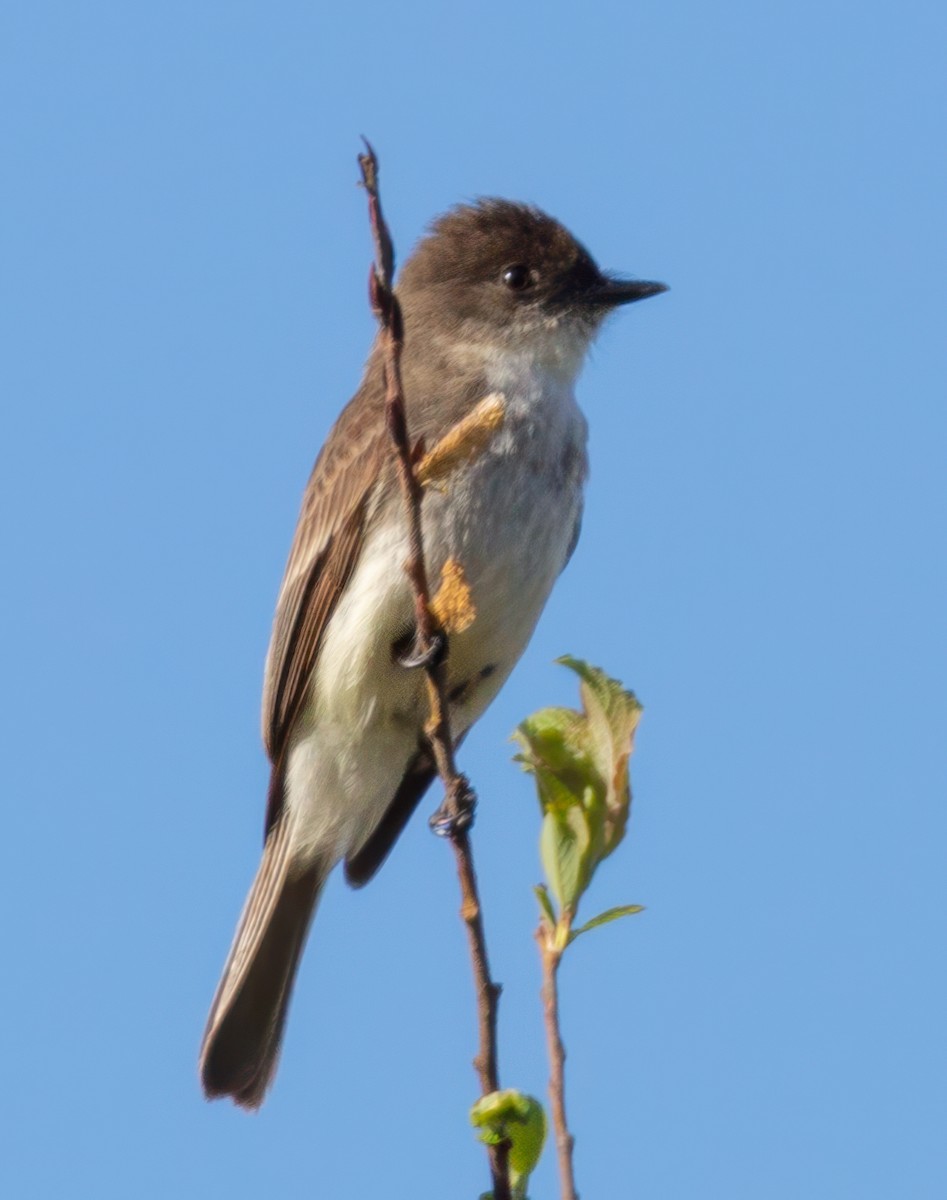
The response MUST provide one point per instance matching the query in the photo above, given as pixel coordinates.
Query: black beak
(612, 292)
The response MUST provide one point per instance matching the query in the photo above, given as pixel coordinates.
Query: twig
(565, 1142)
(454, 817)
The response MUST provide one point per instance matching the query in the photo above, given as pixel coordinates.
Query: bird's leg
(411, 652)
(457, 811)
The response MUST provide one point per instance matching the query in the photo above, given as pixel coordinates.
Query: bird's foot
(418, 655)
(456, 814)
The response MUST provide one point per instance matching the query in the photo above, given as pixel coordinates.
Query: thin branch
(565, 1142)
(454, 817)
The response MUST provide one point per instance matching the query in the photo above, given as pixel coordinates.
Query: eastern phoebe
(499, 299)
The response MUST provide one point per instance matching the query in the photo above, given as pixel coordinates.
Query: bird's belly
(508, 520)
(509, 531)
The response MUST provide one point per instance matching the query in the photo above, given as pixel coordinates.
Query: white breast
(511, 515)
(509, 519)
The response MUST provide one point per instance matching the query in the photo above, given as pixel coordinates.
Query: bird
(499, 301)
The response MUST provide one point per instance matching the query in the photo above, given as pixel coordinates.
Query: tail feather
(242, 1039)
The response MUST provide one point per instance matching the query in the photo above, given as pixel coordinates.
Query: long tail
(242, 1039)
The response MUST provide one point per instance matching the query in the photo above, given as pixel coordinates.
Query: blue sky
(184, 256)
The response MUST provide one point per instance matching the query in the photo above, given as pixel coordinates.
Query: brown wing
(338, 501)
(324, 552)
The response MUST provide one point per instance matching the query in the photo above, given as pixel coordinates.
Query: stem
(460, 799)
(488, 992)
(565, 1142)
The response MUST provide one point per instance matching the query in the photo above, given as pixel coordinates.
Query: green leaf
(563, 845)
(610, 914)
(554, 748)
(512, 1116)
(542, 895)
(580, 761)
(612, 714)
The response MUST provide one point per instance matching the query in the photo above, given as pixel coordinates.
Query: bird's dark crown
(503, 242)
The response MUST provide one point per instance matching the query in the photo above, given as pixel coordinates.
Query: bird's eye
(517, 277)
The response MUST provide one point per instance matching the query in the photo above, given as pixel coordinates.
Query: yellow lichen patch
(453, 606)
(464, 442)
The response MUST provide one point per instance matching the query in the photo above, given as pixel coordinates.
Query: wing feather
(325, 549)
(351, 473)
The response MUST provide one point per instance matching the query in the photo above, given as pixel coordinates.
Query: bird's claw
(456, 814)
(431, 655)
